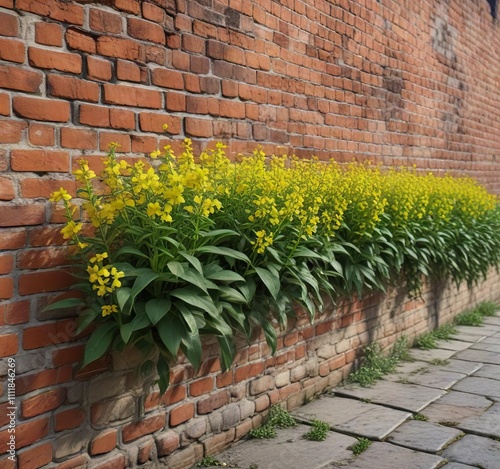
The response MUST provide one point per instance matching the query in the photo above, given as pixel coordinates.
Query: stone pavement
(441, 410)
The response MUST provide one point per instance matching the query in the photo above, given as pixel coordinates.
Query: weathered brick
(49, 59)
(11, 131)
(42, 403)
(41, 109)
(6, 263)
(40, 160)
(21, 215)
(15, 78)
(56, 9)
(181, 414)
(167, 443)
(72, 88)
(167, 78)
(105, 21)
(12, 50)
(79, 40)
(82, 139)
(128, 71)
(47, 281)
(41, 134)
(211, 403)
(154, 122)
(49, 34)
(132, 96)
(69, 419)
(121, 48)
(9, 24)
(104, 442)
(148, 425)
(198, 127)
(145, 30)
(95, 116)
(36, 456)
(4, 104)
(99, 69)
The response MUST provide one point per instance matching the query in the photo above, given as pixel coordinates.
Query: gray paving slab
(486, 424)
(410, 397)
(457, 465)
(480, 356)
(460, 366)
(489, 371)
(482, 386)
(435, 378)
(491, 340)
(353, 416)
(485, 346)
(289, 450)
(468, 337)
(431, 355)
(485, 330)
(387, 456)
(476, 451)
(423, 436)
(492, 320)
(408, 368)
(452, 344)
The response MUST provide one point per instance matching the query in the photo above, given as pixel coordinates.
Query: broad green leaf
(270, 280)
(138, 323)
(163, 374)
(192, 349)
(219, 234)
(226, 276)
(190, 319)
(142, 282)
(194, 297)
(227, 350)
(302, 251)
(223, 251)
(65, 304)
(99, 342)
(87, 318)
(157, 308)
(171, 329)
(123, 298)
(193, 261)
(176, 268)
(131, 250)
(232, 295)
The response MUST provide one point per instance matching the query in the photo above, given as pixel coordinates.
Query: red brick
(167, 78)
(41, 109)
(38, 187)
(4, 104)
(211, 403)
(9, 25)
(224, 379)
(132, 96)
(105, 21)
(15, 78)
(68, 355)
(77, 462)
(12, 50)
(96, 116)
(41, 134)
(201, 386)
(181, 414)
(46, 236)
(167, 443)
(6, 463)
(123, 140)
(248, 371)
(99, 69)
(153, 122)
(26, 433)
(78, 138)
(44, 402)
(43, 379)
(35, 457)
(128, 71)
(50, 59)
(175, 101)
(41, 282)
(6, 263)
(8, 343)
(198, 127)
(153, 12)
(40, 161)
(56, 9)
(78, 40)
(129, 6)
(22, 215)
(145, 30)
(49, 34)
(173, 395)
(6, 285)
(7, 191)
(122, 119)
(121, 48)
(104, 442)
(69, 419)
(12, 239)
(143, 144)
(72, 88)
(7, 4)
(17, 312)
(11, 131)
(148, 425)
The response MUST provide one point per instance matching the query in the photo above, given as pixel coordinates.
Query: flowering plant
(183, 246)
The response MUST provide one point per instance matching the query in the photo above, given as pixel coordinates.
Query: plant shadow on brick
(184, 246)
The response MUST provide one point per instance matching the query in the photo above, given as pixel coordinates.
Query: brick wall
(391, 81)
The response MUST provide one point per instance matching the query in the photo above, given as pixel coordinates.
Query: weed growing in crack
(318, 432)
(360, 446)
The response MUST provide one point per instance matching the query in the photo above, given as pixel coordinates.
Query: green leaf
(219, 234)
(232, 295)
(270, 280)
(139, 285)
(88, 317)
(224, 251)
(193, 296)
(65, 304)
(99, 342)
(163, 374)
(228, 352)
(302, 251)
(122, 298)
(193, 261)
(226, 276)
(171, 329)
(192, 349)
(176, 268)
(138, 323)
(157, 308)
(131, 250)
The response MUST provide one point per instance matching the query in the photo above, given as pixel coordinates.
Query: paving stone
(411, 397)
(487, 424)
(468, 337)
(480, 356)
(484, 330)
(353, 416)
(475, 450)
(489, 371)
(452, 344)
(457, 465)
(482, 386)
(460, 366)
(423, 436)
(435, 378)
(405, 368)
(485, 346)
(491, 340)
(289, 450)
(463, 399)
(387, 456)
(430, 355)
(492, 320)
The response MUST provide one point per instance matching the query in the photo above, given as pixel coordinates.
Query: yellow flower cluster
(104, 277)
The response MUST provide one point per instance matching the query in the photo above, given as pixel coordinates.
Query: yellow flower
(98, 257)
(108, 309)
(154, 210)
(155, 154)
(117, 275)
(61, 194)
(71, 229)
(165, 127)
